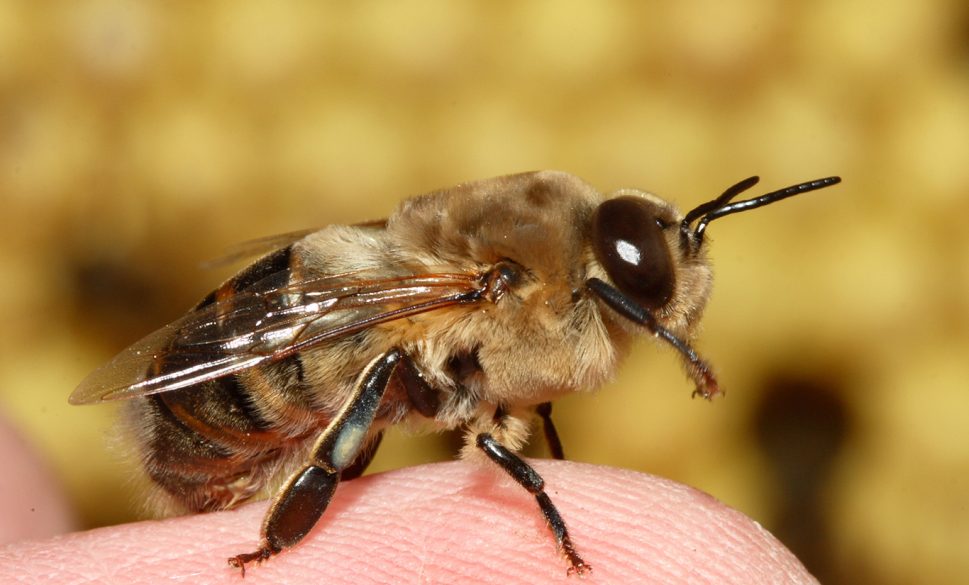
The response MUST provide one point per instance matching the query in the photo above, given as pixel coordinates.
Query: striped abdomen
(214, 444)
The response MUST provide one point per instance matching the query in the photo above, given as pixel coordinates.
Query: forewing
(250, 328)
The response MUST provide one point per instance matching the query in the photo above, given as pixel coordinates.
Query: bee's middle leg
(301, 502)
(544, 411)
(528, 478)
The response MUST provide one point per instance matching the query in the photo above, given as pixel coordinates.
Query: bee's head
(655, 261)
(643, 244)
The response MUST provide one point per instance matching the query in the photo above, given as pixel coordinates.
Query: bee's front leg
(529, 479)
(301, 502)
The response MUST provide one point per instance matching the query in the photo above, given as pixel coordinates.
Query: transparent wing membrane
(249, 328)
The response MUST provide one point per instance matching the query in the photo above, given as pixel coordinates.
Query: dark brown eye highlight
(627, 236)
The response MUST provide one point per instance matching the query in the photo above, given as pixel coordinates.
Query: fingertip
(453, 523)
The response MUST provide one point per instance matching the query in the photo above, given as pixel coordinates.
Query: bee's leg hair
(529, 479)
(544, 411)
(304, 497)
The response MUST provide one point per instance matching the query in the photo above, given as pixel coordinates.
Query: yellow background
(138, 139)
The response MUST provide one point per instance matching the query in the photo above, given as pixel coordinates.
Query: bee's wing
(261, 246)
(250, 328)
(256, 247)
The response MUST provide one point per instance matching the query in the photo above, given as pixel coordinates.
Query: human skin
(449, 522)
(32, 504)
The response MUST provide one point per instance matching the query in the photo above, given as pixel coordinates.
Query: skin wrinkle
(722, 536)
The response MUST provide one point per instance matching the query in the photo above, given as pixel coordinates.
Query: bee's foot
(239, 561)
(578, 566)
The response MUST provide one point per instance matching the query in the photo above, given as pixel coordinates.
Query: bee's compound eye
(628, 240)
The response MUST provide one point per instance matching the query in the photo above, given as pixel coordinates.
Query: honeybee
(468, 308)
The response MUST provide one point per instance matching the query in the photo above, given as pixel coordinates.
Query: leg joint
(514, 465)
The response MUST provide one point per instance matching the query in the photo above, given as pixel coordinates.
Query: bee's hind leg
(363, 460)
(304, 497)
(528, 478)
(421, 396)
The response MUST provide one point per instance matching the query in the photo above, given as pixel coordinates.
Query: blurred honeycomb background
(138, 140)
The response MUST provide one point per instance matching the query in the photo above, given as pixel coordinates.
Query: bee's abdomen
(223, 412)
(212, 445)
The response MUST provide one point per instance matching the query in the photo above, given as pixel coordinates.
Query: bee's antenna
(720, 201)
(721, 206)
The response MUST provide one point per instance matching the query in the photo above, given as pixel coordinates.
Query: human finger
(442, 523)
